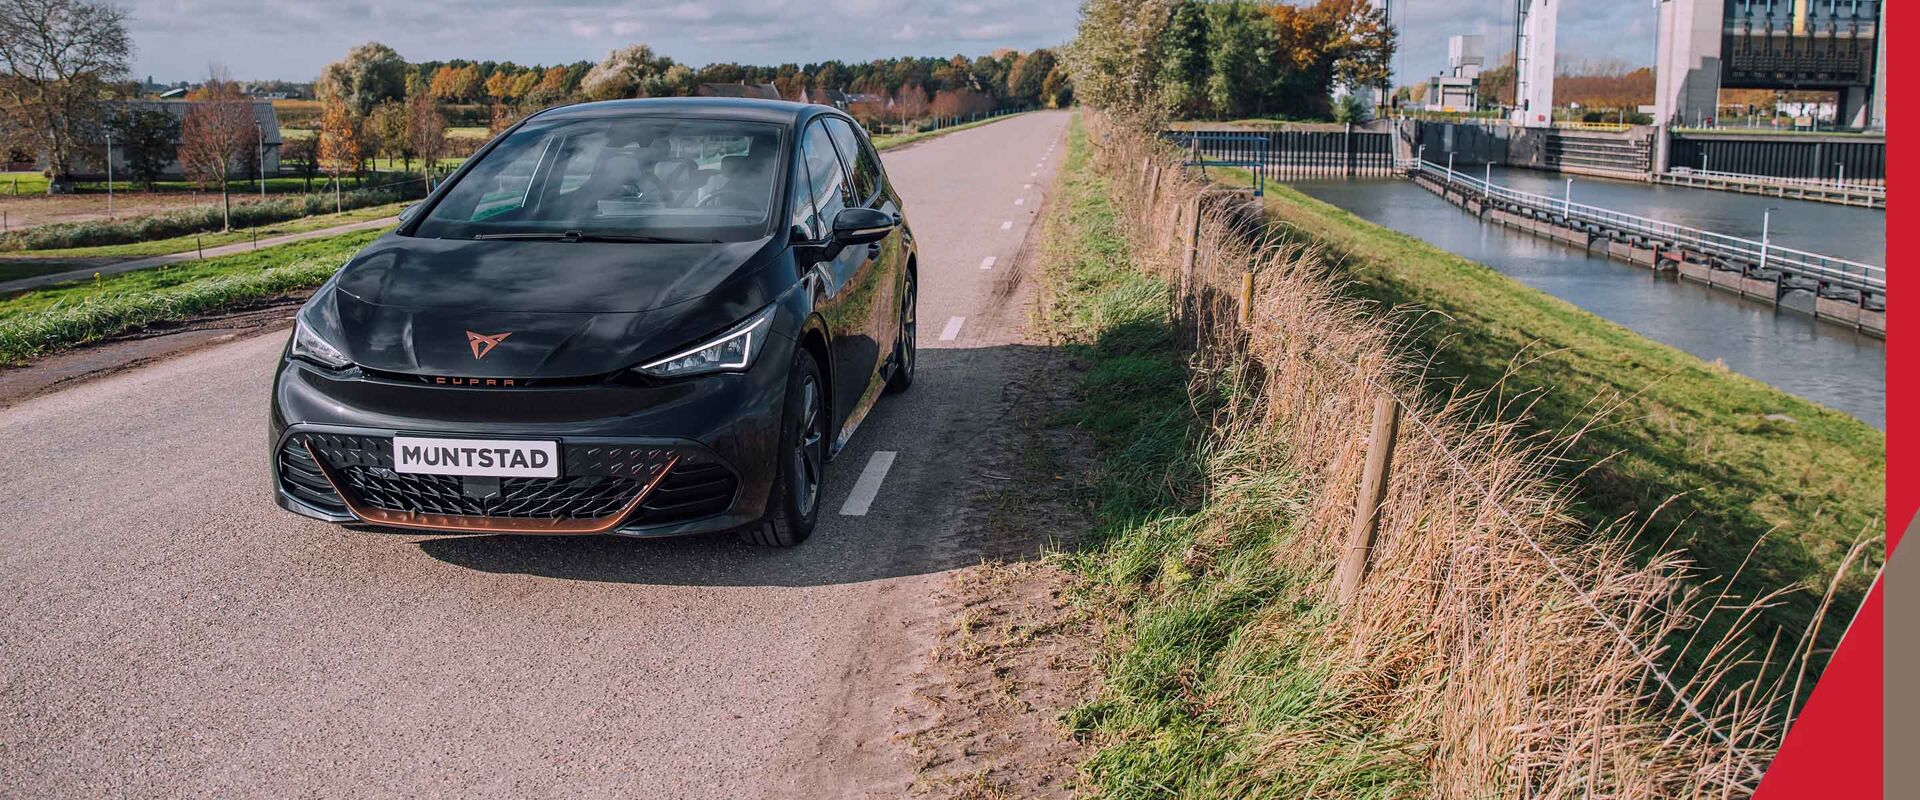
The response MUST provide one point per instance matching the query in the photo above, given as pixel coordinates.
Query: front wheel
(794, 506)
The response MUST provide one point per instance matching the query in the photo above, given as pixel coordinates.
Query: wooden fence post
(1153, 187)
(1246, 299)
(1373, 490)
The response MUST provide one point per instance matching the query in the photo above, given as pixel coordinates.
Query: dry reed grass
(1515, 648)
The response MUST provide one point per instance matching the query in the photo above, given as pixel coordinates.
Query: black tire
(794, 505)
(906, 355)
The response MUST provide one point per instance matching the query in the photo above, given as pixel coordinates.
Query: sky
(293, 39)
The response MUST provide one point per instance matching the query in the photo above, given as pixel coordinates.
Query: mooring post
(1373, 491)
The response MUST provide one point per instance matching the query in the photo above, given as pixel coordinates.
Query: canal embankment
(1713, 463)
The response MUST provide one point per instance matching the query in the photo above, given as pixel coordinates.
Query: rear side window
(826, 181)
(858, 156)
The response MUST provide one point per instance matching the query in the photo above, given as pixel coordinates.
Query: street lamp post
(1566, 206)
(1449, 167)
(109, 176)
(260, 142)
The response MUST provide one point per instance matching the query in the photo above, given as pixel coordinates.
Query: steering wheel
(728, 199)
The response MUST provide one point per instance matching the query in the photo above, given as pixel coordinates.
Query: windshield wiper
(583, 236)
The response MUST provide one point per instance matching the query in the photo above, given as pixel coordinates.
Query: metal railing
(1822, 184)
(1827, 270)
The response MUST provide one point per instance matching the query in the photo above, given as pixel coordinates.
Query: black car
(639, 317)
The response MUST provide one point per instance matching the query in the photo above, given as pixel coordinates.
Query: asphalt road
(165, 631)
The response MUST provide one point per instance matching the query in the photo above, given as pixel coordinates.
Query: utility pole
(109, 176)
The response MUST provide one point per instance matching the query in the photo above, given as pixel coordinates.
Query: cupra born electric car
(637, 317)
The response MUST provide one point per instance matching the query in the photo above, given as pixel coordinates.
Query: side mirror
(854, 226)
(407, 211)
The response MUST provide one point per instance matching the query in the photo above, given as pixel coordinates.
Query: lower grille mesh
(597, 481)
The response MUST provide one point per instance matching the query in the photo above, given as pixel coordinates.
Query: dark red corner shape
(1836, 749)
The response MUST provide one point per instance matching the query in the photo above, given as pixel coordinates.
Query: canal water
(1820, 361)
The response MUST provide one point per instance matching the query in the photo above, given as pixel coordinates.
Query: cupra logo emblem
(483, 344)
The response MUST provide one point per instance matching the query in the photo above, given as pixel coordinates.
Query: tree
(1026, 81)
(387, 129)
(339, 149)
(216, 136)
(60, 58)
(911, 104)
(303, 154)
(1361, 45)
(1185, 63)
(148, 139)
(1240, 44)
(426, 132)
(369, 74)
(1114, 61)
(631, 71)
(456, 84)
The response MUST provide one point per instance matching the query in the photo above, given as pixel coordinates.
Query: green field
(28, 263)
(44, 321)
(1763, 490)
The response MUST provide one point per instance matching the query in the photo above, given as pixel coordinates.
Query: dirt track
(169, 632)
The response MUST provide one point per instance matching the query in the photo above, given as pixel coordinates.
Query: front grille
(597, 481)
(690, 491)
(585, 497)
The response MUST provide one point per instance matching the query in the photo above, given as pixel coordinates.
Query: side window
(866, 172)
(826, 182)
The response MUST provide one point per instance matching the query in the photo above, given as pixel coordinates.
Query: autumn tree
(386, 129)
(911, 103)
(631, 71)
(369, 74)
(216, 137)
(339, 147)
(148, 139)
(456, 84)
(1027, 79)
(426, 133)
(303, 156)
(60, 57)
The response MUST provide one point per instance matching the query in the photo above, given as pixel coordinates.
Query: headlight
(308, 346)
(732, 351)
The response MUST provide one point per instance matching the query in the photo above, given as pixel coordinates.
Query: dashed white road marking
(1007, 225)
(1033, 174)
(1019, 201)
(952, 331)
(987, 263)
(867, 487)
(1026, 186)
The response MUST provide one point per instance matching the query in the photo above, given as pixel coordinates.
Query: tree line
(1226, 59)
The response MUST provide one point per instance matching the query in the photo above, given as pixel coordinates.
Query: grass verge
(41, 322)
(904, 139)
(1762, 489)
(1197, 685)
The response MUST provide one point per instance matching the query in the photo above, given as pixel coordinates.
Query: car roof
(738, 108)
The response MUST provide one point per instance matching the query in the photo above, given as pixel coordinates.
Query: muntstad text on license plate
(496, 458)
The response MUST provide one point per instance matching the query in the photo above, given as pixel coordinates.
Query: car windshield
(633, 179)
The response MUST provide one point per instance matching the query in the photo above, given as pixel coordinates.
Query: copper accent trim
(478, 524)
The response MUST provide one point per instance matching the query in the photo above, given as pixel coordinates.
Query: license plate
(492, 458)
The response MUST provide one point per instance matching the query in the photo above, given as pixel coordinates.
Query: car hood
(543, 276)
(530, 310)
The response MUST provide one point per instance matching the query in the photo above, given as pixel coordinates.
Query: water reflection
(1819, 361)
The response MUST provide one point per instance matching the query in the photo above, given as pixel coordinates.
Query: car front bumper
(662, 459)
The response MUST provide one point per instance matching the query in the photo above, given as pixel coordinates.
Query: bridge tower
(1535, 22)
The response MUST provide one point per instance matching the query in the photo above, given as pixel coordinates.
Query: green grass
(902, 139)
(19, 265)
(44, 321)
(1690, 450)
(1211, 659)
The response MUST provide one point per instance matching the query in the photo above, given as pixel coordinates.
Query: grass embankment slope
(1195, 687)
(40, 322)
(23, 264)
(1710, 461)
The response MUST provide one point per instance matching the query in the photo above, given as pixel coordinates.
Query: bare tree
(426, 132)
(60, 56)
(217, 136)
